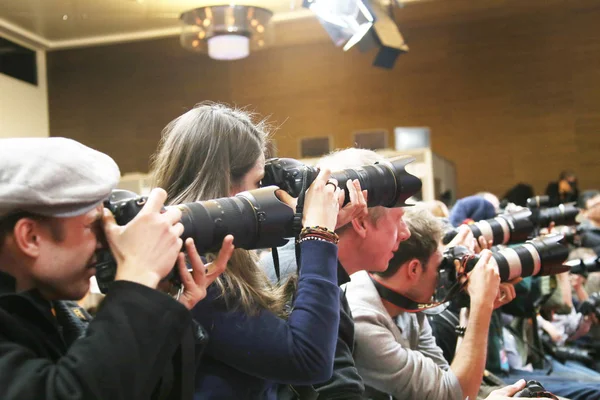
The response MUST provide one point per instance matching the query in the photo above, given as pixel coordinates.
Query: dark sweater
(246, 356)
(345, 382)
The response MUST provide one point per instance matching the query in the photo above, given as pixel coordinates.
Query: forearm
(469, 361)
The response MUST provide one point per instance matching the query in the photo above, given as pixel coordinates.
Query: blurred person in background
(565, 190)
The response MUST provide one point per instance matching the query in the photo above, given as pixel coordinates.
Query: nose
(403, 232)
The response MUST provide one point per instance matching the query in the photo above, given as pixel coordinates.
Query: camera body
(534, 389)
(591, 305)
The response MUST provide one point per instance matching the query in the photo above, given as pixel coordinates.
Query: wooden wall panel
(510, 89)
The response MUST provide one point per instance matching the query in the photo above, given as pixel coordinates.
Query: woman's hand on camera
(321, 204)
(201, 277)
(356, 207)
(146, 248)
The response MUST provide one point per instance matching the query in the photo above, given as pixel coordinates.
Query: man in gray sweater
(395, 353)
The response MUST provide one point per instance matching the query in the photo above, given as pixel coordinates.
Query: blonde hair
(201, 156)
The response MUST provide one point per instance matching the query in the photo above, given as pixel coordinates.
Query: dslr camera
(257, 218)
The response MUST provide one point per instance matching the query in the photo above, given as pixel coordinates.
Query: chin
(379, 268)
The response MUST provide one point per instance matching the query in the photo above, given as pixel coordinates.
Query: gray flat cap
(55, 177)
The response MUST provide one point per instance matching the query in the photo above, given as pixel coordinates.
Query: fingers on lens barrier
(323, 174)
(155, 201)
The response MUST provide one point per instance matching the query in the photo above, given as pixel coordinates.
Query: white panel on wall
(23, 106)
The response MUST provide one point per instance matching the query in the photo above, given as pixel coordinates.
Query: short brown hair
(7, 225)
(425, 237)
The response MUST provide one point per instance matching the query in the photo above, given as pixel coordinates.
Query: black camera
(387, 183)
(540, 256)
(591, 305)
(534, 389)
(567, 353)
(256, 219)
(584, 266)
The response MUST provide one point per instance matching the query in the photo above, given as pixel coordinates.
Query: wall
(23, 106)
(510, 90)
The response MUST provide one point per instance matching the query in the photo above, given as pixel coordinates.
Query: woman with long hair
(256, 340)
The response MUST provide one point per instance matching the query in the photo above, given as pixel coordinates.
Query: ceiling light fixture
(225, 32)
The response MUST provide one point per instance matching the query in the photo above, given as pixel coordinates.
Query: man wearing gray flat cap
(51, 224)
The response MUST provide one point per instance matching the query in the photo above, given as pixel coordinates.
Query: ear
(360, 225)
(414, 269)
(27, 236)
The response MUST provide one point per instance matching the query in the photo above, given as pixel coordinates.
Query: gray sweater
(397, 356)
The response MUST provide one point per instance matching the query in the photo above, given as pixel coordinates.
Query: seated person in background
(518, 194)
(492, 198)
(396, 353)
(51, 223)
(563, 191)
(471, 209)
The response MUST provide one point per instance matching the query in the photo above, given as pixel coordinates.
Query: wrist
(481, 305)
(149, 279)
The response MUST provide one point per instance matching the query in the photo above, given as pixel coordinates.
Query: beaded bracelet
(320, 239)
(319, 231)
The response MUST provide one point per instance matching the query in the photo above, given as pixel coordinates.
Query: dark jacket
(345, 382)
(556, 198)
(123, 354)
(246, 356)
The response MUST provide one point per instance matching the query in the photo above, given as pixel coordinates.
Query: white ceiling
(67, 23)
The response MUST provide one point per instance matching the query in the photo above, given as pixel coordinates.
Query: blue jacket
(246, 356)
(473, 207)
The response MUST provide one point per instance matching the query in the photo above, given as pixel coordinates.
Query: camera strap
(298, 216)
(412, 306)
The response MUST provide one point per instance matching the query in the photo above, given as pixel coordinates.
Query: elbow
(317, 370)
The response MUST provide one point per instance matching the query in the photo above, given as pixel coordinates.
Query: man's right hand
(484, 280)
(507, 392)
(147, 247)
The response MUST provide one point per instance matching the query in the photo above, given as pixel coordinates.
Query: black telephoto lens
(540, 256)
(504, 229)
(538, 202)
(256, 219)
(387, 183)
(563, 214)
(584, 266)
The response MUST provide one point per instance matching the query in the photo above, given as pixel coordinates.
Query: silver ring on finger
(332, 184)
